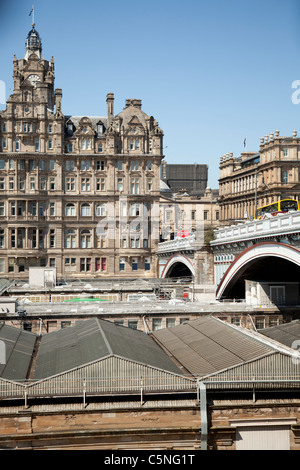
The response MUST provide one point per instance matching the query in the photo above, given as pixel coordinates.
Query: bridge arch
(285, 257)
(178, 264)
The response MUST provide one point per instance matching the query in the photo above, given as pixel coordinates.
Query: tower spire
(33, 41)
(32, 13)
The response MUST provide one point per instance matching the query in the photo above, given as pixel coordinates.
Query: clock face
(33, 79)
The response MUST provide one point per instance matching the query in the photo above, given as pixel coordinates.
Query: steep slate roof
(94, 339)
(286, 333)
(208, 345)
(94, 120)
(19, 346)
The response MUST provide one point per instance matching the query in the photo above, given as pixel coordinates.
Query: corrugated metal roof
(286, 333)
(94, 339)
(19, 345)
(208, 345)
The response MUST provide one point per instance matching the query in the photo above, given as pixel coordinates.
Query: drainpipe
(253, 324)
(203, 414)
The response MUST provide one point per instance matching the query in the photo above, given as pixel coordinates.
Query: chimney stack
(110, 107)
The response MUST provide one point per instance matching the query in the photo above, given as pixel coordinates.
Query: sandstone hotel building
(76, 192)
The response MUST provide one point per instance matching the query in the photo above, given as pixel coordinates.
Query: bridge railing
(278, 225)
(186, 243)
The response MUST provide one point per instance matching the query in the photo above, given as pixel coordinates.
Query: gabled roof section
(94, 120)
(287, 333)
(208, 345)
(18, 351)
(95, 339)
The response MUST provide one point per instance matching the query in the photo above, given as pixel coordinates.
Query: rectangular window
(135, 186)
(100, 165)
(134, 264)
(2, 209)
(4, 142)
(32, 183)
(50, 144)
(122, 264)
(156, 324)
(120, 184)
(70, 147)
(120, 165)
(134, 165)
(52, 238)
(42, 165)
(1, 238)
(52, 184)
(11, 265)
(52, 209)
(34, 209)
(284, 177)
(11, 183)
(20, 209)
(70, 165)
(21, 165)
(147, 264)
(21, 183)
(149, 165)
(2, 164)
(51, 165)
(134, 209)
(41, 209)
(12, 208)
(149, 184)
(70, 184)
(133, 324)
(100, 147)
(85, 184)
(43, 184)
(37, 145)
(31, 165)
(85, 165)
(100, 184)
(85, 264)
(2, 184)
(2, 265)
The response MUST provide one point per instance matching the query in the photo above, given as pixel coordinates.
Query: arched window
(70, 209)
(85, 239)
(100, 210)
(85, 210)
(70, 239)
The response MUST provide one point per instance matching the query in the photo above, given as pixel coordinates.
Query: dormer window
(70, 128)
(100, 128)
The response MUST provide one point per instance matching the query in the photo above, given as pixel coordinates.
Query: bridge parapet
(189, 243)
(273, 226)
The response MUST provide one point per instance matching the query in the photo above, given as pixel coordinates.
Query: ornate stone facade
(76, 192)
(259, 178)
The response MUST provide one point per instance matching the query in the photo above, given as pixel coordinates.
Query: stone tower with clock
(34, 107)
(62, 176)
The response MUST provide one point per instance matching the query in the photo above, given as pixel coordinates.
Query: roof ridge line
(272, 343)
(104, 337)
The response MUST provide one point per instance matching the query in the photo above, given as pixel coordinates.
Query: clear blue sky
(211, 72)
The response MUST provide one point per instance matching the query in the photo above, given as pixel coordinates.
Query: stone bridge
(259, 260)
